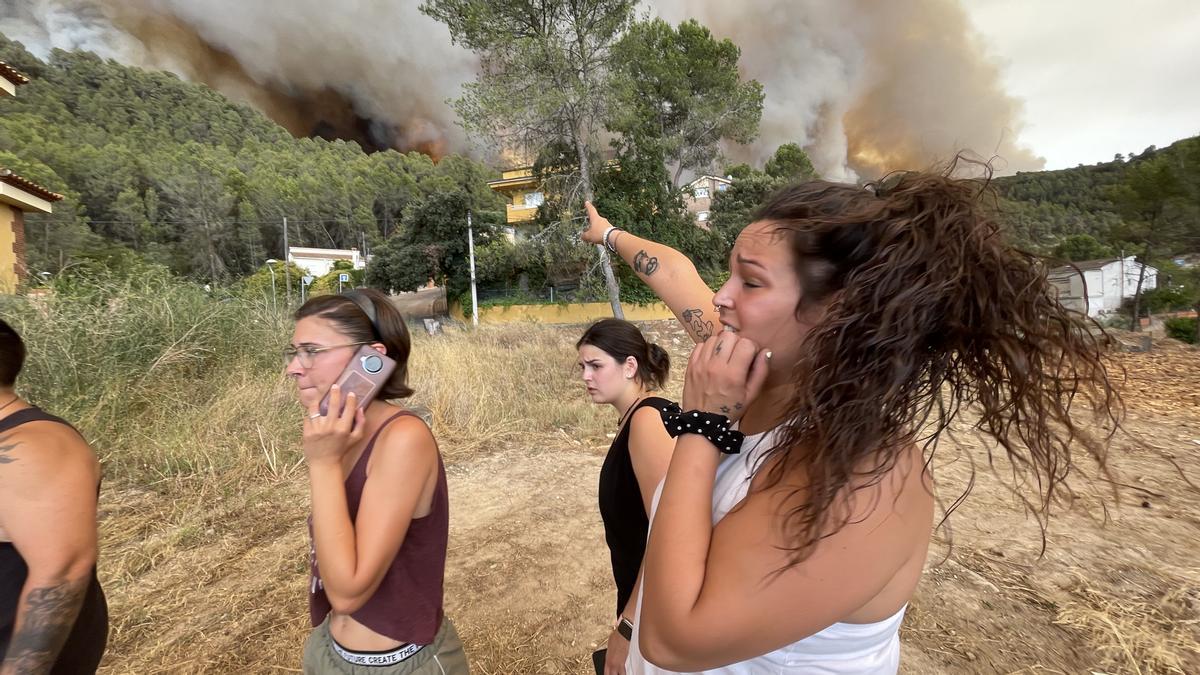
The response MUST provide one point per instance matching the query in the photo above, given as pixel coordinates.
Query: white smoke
(870, 85)
(43, 25)
(393, 62)
(864, 86)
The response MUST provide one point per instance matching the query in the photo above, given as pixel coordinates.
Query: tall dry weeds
(170, 382)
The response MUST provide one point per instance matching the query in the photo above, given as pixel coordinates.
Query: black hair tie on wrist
(713, 426)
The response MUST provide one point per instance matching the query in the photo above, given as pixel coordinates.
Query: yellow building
(524, 194)
(17, 196)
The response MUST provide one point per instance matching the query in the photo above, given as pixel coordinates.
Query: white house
(698, 196)
(1100, 286)
(319, 261)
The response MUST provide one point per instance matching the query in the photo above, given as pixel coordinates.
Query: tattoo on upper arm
(43, 625)
(694, 318)
(5, 448)
(644, 263)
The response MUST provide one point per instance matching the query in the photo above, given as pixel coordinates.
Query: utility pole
(287, 274)
(471, 257)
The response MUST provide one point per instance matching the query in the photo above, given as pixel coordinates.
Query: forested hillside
(154, 168)
(1045, 208)
(175, 172)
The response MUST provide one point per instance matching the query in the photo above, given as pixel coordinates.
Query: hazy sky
(1098, 77)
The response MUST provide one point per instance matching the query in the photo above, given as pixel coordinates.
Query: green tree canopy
(1082, 247)
(545, 78)
(790, 163)
(734, 208)
(679, 94)
(432, 244)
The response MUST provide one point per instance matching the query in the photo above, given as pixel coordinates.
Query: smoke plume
(864, 86)
(869, 86)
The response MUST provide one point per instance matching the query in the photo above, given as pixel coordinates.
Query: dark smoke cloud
(375, 73)
(864, 86)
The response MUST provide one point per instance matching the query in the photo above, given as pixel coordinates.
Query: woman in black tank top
(53, 615)
(621, 369)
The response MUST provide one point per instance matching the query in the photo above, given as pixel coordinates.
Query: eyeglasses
(308, 353)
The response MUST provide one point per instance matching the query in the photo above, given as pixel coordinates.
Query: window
(702, 216)
(534, 199)
(721, 187)
(701, 193)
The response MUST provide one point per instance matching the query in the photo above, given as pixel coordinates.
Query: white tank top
(840, 649)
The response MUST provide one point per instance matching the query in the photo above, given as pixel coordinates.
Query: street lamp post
(274, 298)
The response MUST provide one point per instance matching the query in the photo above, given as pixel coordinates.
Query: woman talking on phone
(793, 524)
(380, 518)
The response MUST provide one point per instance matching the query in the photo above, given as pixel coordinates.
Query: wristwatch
(625, 629)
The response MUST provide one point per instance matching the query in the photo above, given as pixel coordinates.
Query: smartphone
(365, 375)
(598, 658)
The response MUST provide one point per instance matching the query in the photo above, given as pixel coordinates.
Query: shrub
(1182, 328)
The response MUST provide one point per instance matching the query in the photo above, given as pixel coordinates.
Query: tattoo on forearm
(6, 447)
(644, 263)
(694, 318)
(43, 626)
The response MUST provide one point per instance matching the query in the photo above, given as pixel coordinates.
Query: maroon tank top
(407, 606)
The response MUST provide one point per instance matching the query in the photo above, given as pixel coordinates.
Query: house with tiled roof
(18, 196)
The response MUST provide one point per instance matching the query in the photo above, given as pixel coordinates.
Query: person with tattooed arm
(793, 524)
(53, 616)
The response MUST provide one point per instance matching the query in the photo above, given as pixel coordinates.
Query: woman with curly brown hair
(794, 521)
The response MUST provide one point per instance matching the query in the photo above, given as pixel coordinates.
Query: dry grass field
(203, 508)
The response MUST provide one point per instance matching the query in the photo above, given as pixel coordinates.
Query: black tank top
(85, 645)
(625, 521)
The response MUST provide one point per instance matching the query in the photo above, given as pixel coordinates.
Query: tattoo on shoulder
(49, 615)
(6, 447)
(644, 263)
(694, 318)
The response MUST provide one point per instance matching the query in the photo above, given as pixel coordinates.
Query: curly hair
(927, 311)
